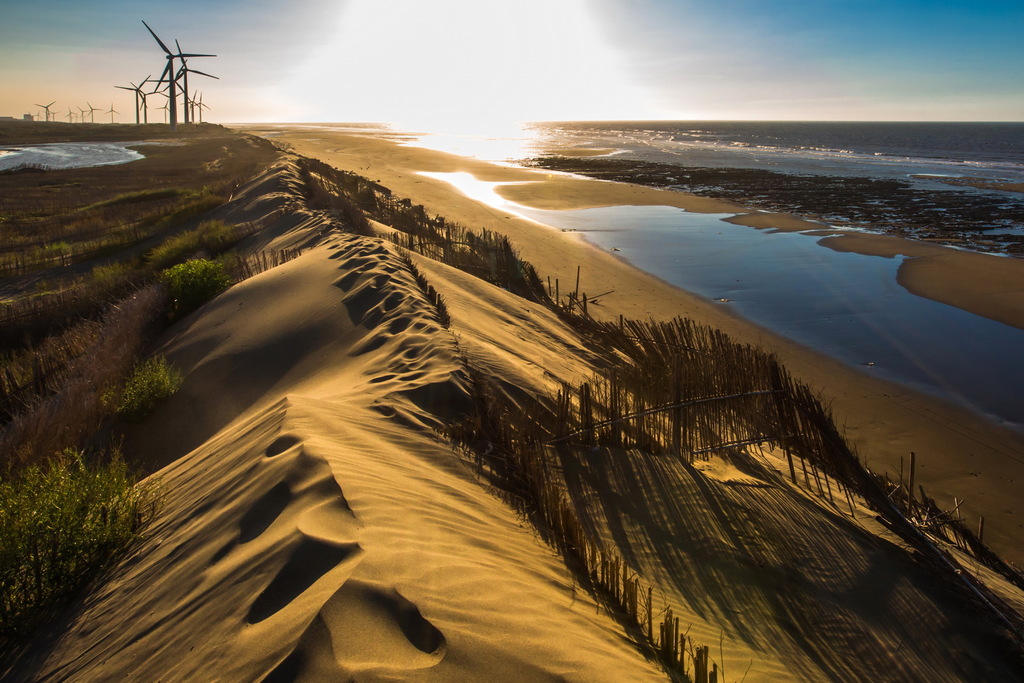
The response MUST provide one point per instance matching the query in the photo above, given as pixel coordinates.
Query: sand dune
(315, 526)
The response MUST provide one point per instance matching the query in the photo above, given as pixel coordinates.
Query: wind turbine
(81, 114)
(183, 73)
(112, 112)
(70, 116)
(202, 107)
(171, 76)
(47, 108)
(199, 107)
(92, 116)
(140, 99)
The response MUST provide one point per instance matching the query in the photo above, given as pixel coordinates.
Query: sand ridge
(313, 526)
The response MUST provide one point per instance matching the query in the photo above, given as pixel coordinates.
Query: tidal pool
(847, 305)
(63, 155)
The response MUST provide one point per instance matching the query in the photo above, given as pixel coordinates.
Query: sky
(475, 65)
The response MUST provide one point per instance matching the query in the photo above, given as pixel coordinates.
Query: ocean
(882, 176)
(992, 151)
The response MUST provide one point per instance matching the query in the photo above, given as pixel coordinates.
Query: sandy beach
(315, 524)
(963, 455)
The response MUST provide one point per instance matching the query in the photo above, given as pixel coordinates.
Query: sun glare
(468, 66)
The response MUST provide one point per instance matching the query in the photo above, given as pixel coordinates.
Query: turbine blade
(167, 71)
(157, 38)
(202, 73)
(190, 54)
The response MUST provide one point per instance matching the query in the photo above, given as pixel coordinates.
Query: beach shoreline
(960, 453)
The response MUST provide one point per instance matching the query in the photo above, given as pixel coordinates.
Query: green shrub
(60, 525)
(150, 382)
(193, 283)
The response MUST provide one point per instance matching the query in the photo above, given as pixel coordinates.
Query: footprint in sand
(308, 562)
(363, 627)
(264, 511)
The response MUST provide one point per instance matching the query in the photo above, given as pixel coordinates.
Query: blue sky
(425, 62)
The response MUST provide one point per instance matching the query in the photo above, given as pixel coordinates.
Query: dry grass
(59, 217)
(488, 255)
(64, 419)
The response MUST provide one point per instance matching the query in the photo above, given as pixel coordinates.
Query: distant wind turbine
(170, 75)
(92, 116)
(81, 114)
(200, 107)
(47, 108)
(71, 117)
(112, 112)
(140, 99)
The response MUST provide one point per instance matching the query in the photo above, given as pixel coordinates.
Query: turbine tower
(47, 108)
(171, 76)
(202, 107)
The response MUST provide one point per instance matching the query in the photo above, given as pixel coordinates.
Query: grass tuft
(211, 236)
(61, 525)
(150, 382)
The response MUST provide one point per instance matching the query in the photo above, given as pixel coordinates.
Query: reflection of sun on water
(480, 190)
(469, 66)
(502, 143)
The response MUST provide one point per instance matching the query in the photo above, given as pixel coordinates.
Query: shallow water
(63, 155)
(847, 305)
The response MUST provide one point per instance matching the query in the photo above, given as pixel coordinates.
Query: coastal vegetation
(61, 524)
(96, 261)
